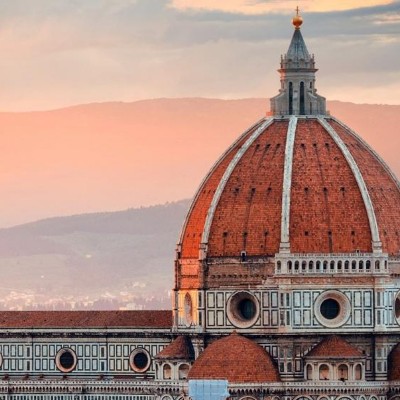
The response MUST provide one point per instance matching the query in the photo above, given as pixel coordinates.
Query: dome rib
(287, 184)
(370, 149)
(196, 215)
(217, 195)
(376, 242)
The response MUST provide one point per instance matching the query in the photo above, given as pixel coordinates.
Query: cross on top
(297, 10)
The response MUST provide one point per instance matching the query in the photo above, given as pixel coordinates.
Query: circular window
(332, 308)
(397, 308)
(66, 360)
(243, 309)
(139, 360)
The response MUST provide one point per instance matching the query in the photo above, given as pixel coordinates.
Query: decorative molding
(287, 183)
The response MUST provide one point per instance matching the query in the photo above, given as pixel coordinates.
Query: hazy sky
(63, 52)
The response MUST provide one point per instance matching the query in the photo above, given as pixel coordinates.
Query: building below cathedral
(287, 279)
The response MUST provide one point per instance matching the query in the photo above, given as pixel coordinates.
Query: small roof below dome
(334, 347)
(394, 364)
(180, 349)
(236, 359)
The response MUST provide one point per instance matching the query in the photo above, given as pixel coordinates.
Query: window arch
(183, 371)
(188, 309)
(167, 372)
(358, 372)
(324, 374)
(309, 372)
(343, 372)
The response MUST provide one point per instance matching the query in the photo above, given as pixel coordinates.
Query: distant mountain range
(101, 261)
(115, 156)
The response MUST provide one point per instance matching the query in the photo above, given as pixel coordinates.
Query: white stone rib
(376, 243)
(210, 172)
(287, 184)
(225, 178)
(371, 150)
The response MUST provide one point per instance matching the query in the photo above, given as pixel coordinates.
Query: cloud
(267, 6)
(69, 51)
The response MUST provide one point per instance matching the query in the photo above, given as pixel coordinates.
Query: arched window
(311, 265)
(183, 371)
(354, 265)
(361, 265)
(188, 309)
(309, 372)
(339, 265)
(290, 266)
(167, 373)
(303, 266)
(332, 265)
(358, 372)
(343, 372)
(278, 266)
(324, 372)
(290, 98)
(302, 103)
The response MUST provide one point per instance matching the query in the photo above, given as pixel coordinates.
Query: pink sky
(62, 53)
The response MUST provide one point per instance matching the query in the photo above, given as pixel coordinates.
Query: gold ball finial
(297, 20)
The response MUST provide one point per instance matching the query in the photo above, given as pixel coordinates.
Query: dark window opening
(302, 103)
(247, 309)
(290, 98)
(140, 360)
(67, 360)
(330, 308)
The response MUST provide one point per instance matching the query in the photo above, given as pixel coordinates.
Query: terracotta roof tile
(394, 364)
(334, 347)
(237, 359)
(85, 319)
(181, 348)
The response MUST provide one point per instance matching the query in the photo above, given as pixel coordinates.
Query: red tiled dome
(180, 349)
(334, 347)
(394, 364)
(239, 205)
(237, 359)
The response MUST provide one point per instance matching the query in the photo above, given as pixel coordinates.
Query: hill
(114, 156)
(96, 261)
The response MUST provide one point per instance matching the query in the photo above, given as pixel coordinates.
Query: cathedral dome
(233, 358)
(298, 181)
(308, 183)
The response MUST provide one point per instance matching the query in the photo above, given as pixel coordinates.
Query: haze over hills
(116, 156)
(96, 261)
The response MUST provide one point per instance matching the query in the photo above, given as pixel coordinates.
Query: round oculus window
(139, 360)
(66, 360)
(332, 308)
(243, 309)
(397, 308)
